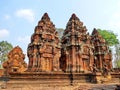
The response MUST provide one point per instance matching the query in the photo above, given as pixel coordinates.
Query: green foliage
(5, 47)
(109, 36)
(111, 40)
(117, 64)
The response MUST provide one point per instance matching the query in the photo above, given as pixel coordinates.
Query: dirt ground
(79, 86)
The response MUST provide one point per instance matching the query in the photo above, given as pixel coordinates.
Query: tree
(112, 40)
(109, 36)
(5, 47)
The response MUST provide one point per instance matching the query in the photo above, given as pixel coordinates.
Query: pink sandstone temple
(76, 51)
(76, 57)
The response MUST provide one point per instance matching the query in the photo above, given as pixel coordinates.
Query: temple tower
(15, 62)
(44, 50)
(77, 48)
(103, 56)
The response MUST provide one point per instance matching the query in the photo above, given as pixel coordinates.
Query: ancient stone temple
(103, 56)
(44, 49)
(15, 62)
(77, 47)
(77, 58)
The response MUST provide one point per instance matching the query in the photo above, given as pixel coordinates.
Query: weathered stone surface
(84, 58)
(81, 51)
(44, 50)
(15, 62)
(80, 86)
(103, 56)
(1, 72)
(77, 48)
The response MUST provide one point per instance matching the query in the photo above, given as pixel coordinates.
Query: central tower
(44, 49)
(77, 48)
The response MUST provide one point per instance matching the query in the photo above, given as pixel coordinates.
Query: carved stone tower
(77, 48)
(102, 53)
(44, 49)
(15, 62)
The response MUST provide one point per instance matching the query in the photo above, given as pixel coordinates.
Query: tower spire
(45, 17)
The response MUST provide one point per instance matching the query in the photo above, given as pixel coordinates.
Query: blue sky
(18, 18)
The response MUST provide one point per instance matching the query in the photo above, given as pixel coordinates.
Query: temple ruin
(77, 48)
(76, 57)
(77, 52)
(15, 62)
(44, 49)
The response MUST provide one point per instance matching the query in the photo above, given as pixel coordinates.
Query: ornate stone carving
(44, 50)
(78, 52)
(102, 52)
(77, 43)
(81, 51)
(15, 62)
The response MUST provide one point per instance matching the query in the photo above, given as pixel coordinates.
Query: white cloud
(4, 33)
(26, 14)
(7, 17)
(25, 39)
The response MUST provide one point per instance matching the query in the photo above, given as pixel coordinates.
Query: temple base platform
(36, 79)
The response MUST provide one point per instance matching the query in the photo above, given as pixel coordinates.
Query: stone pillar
(100, 61)
(77, 62)
(73, 59)
(51, 64)
(67, 62)
(39, 62)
